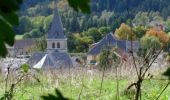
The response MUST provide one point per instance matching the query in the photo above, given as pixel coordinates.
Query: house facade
(20, 47)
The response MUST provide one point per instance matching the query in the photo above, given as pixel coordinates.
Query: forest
(106, 16)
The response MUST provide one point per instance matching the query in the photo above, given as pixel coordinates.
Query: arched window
(53, 45)
(58, 45)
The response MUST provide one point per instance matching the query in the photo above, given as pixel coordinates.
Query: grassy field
(81, 84)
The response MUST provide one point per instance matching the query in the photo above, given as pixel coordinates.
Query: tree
(104, 30)
(40, 45)
(148, 42)
(161, 35)
(124, 32)
(75, 25)
(47, 22)
(141, 19)
(35, 33)
(139, 31)
(25, 24)
(82, 43)
(167, 25)
(80, 5)
(94, 33)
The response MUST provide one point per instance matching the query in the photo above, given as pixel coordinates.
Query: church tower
(56, 40)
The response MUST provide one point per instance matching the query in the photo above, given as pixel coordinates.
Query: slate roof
(111, 40)
(20, 44)
(50, 60)
(35, 58)
(56, 28)
(121, 44)
(107, 40)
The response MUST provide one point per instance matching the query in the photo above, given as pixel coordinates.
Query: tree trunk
(138, 89)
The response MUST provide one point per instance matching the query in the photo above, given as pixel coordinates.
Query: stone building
(56, 55)
(110, 40)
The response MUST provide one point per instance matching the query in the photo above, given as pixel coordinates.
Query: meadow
(83, 84)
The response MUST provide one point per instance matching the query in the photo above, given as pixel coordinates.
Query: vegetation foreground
(83, 84)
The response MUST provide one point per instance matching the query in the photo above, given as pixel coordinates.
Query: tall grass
(79, 84)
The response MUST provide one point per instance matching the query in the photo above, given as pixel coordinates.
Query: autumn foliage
(161, 35)
(124, 32)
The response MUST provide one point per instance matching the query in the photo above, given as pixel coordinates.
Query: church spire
(56, 28)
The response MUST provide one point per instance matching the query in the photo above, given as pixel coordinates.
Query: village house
(110, 40)
(20, 47)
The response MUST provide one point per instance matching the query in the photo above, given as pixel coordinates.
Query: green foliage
(148, 42)
(104, 61)
(40, 45)
(141, 19)
(94, 33)
(80, 5)
(167, 25)
(58, 96)
(104, 30)
(6, 36)
(139, 31)
(25, 68)
(103, 13)
(80, 42)
(25, 24)
(47, 22)
(8, 19)
(37, 22)
(167, 73)
(27, 35)
(35, 33)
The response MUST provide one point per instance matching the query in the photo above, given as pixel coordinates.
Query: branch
(151, 63)
(163, 90)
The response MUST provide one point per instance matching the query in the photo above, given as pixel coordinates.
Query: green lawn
(19, 37)
(72, 85)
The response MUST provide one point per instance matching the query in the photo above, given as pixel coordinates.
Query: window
(58, 45)
(53, 45)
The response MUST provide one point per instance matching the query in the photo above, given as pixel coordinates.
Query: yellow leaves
(161, 35)
(124, 32)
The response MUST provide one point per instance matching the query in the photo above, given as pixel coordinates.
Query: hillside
(107, 15)
(103, 12)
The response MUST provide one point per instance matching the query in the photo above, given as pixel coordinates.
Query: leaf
(8, 18)
(11, 18)
(8, 6)
(80, 5)
(167, 73)
(3, 50)
(6, 33)
(58, 96)
(25, 68)
(6, 37)
(2, 98)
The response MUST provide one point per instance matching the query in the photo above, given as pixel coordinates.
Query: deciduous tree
(124, 32)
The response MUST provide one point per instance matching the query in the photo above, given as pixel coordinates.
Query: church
(56, 55)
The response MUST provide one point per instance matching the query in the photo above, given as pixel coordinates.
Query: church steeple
(56, 40)
(56, 29)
